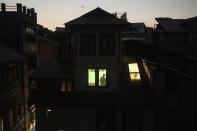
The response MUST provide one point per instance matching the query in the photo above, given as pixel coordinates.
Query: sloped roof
(53, 70)
(97, 16)
(8, 54)
(171, 25)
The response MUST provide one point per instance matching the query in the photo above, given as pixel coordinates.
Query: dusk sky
(53, 13)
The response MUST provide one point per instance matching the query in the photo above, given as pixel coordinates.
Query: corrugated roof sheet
(8, 54)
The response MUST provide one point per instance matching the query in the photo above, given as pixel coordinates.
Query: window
(63, 88)
(107, 44)
(91, 77)
(134, 71)
(97, 77)
(11, 118)
(10, 115)
(1, 124)
(48, 111)
(30, 35)
(102, 77)
(66, 86)
(12, 72)
(88, 44)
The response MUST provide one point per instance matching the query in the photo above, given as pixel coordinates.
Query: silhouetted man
(103, 80)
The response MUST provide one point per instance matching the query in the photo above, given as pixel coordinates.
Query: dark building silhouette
(47, 44)
(170, 61)
(18, 58)
(93, 88)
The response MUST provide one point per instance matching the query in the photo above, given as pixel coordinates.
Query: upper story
(18, 27)
(95, 36)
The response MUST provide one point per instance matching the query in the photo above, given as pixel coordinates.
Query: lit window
(91, 77)
(66, 86)
(102, 77)
(97, 77)
(48, 111)
(63, 88)
(134, 71)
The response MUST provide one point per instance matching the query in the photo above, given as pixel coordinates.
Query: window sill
(97, 87)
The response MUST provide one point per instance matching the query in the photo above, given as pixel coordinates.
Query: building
(94, 87)
(170, 61)
(47, 44)
(18, 58)
(12, 111)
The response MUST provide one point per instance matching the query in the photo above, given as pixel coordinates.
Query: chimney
(24, 9)
(29, 12)
(19, 7)
(3, 9)
(32, 10)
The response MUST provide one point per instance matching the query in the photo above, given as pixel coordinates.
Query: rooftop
(97, 16)
(171, 25)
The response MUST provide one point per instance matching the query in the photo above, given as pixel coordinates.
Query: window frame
(134, 72)
(97, 78)
(12, 72)
(107, 37)
(66, 86)
(93, 46)
(98, 38)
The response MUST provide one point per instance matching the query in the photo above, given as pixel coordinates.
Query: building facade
(19, 39)
(93, 88)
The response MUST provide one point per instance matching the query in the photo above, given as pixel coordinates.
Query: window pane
(134, 71)
(135, 76)
(63, 88)
(133, 67)
(91, 77)
(102, 77)
(88, 44)
(107, 44)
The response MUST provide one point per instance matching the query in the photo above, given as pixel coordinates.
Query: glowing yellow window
(134, 71)
(91, 77)
(102, 77)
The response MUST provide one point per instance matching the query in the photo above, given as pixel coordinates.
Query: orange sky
(53, 13)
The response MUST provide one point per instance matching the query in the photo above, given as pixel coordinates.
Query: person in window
(103, 80)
